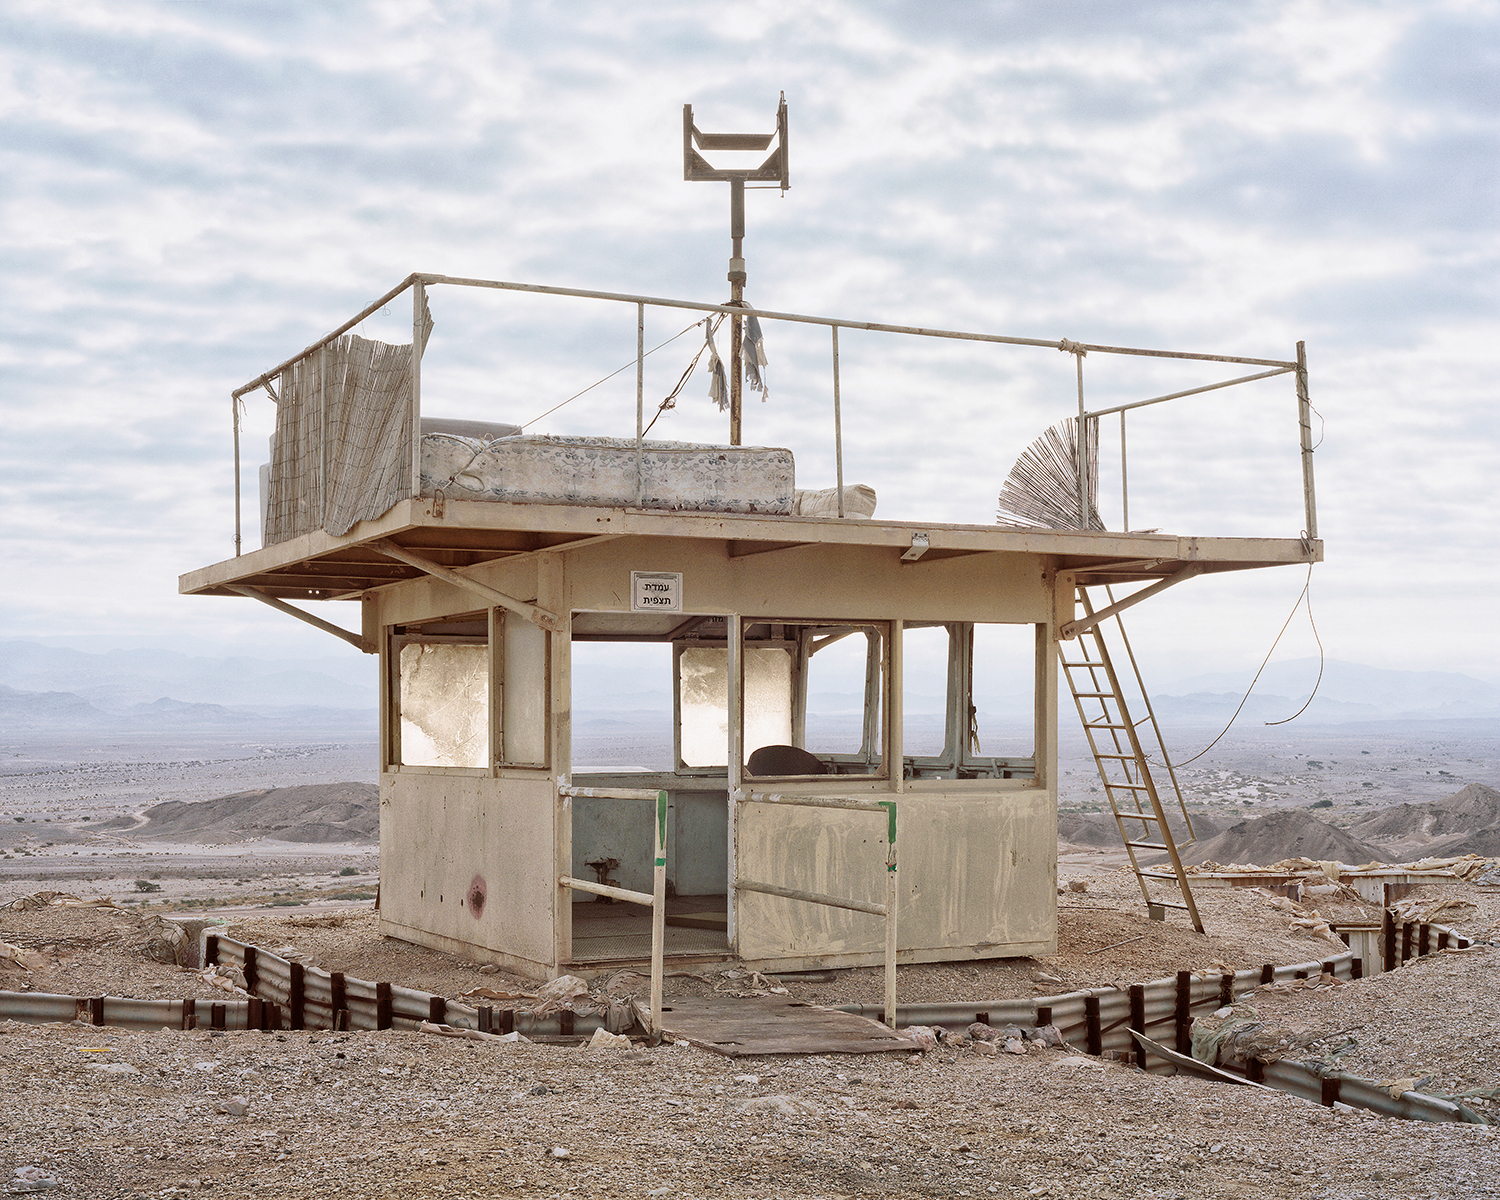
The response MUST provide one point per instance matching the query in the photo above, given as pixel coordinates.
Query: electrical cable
(607, 378)
(1264, 662)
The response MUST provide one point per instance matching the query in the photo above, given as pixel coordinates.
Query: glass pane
(768, 698)
(836, 675)
(924, 692)
(1004, 691)
(444, 695)
(524, 722)
(704, 675)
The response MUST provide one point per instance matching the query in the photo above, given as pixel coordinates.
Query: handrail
(656, 901)
(886, 910)
(420, 280)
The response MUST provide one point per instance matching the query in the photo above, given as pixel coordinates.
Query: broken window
(469, 692)
(985, 725)
(814, 698)
(442, 694)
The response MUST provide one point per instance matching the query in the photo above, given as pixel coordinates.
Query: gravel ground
(402, 1114)
(398, 1114)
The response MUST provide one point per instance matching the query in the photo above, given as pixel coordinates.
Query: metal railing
(418, 282)
(656, 901)
(886, 910)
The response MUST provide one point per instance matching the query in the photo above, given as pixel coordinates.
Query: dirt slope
(323, 812)
(1279, 835)
(1467, 822)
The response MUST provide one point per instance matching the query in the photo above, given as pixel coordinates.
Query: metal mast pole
(736, 296)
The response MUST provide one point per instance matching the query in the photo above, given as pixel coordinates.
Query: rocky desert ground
(103, 1112)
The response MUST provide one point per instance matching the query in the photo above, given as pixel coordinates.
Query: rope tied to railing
(1068, 347)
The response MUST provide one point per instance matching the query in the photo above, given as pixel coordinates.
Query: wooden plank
(482, 525)
(735, 1027)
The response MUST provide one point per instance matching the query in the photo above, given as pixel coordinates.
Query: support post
(418, 307)
(1124, 484)
(640, 394)
(1092, 1032)
(1304, 421)
(234, 410)
(891, 893)
(658, 913)
(838, 426)
(1083, 449)
(736, 296)
(291, 610)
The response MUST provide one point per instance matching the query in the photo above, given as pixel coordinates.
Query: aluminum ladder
(1115, 742)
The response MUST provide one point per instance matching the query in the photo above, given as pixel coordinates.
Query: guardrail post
(1424, 939)
(1388, 940)
(251, 970)
(1184, 1012)
(382, 1006)
(216, 1016)
(211, 950)
(1093, 1034)
(437, 1010)
(296, 996)
(658, 914)
(189, 1013)
(338, 1002)
(96, 1010)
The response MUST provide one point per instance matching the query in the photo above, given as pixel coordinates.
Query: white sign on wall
(655, 591)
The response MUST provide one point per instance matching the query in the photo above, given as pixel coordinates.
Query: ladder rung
(1169, 904)
(1126, 757)
(1077, 665)
(1129, 787)
(1150, 846)
(1102, 725)
(1095, 695)
(1136, 816)
(1160, 876)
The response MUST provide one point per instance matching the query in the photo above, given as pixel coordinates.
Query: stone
(235, 1106)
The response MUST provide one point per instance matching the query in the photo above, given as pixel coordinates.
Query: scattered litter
(564, 992)
(32, 1179)
(788, 1106)
(113, 1068)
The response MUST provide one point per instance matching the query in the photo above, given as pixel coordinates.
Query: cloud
(191, 192)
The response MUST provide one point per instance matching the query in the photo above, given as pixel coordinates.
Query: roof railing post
(640, 394)
(1304, 420)
(838, 427)
(418, 309)
(234, 409)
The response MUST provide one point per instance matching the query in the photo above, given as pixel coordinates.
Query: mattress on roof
(540, 469)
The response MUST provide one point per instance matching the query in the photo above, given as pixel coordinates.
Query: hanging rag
(755, 356)
(718, 383)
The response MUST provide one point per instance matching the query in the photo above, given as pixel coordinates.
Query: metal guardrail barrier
(656, 901)
(886, 910)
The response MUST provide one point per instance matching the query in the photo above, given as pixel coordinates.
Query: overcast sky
(194, 190)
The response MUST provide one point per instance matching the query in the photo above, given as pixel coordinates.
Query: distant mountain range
(51, 687)
(1348, 692)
